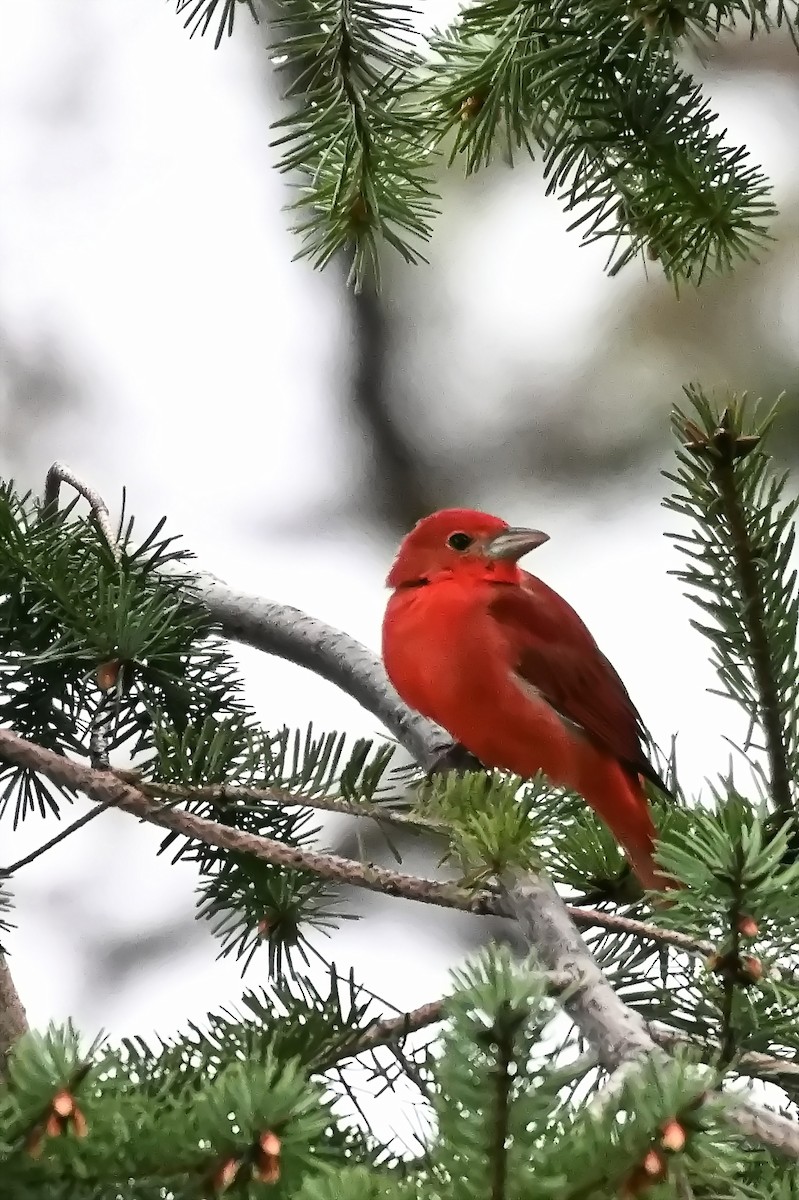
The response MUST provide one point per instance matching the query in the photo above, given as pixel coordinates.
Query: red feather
(555, 652)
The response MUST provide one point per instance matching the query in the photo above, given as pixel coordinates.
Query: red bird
(506, 666)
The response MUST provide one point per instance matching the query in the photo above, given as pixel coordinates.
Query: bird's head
(461, 540)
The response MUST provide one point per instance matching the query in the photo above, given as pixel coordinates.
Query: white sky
(141, 224)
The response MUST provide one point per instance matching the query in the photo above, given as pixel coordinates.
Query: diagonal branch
(110, 790)
(618, 1034)
(308, 642)
(99, 786)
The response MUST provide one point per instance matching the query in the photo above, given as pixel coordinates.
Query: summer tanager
(506, 666)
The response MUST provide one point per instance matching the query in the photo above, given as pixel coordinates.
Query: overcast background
(155, 333)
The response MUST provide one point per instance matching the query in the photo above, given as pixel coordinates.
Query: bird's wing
(557, 655)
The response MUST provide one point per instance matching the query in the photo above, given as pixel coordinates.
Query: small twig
(109, 789)
(394, 1029)
(730, 985)
(503, 1041)
(102, 719)
(60, 473)
(237, 793)
(682, 1187)
(13, 1020)
(591, 918)
(59, 837)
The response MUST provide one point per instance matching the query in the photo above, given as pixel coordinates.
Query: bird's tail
(622, 804)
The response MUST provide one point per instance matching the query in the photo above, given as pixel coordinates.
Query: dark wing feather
(557, 655)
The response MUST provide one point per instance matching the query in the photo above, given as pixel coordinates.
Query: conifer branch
(112, 790)
(618, 1033)
(738, 567)
(752, 614)
(108, 789)
(13, 1020)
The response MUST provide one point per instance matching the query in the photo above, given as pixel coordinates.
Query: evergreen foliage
(513, 1102)
(603, 92)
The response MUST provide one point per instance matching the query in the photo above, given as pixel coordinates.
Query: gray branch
(295, 637)
(619, 1035)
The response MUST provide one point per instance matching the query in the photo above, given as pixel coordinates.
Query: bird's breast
(450, 660)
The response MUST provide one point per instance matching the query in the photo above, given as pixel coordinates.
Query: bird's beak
(513, 544)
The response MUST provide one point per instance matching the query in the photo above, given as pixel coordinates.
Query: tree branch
(753, 617)
(60, 473)
(618, 1033)
(108, 789)
(583, 917)
(236, 794)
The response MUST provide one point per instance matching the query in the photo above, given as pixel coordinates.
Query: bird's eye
(459, 541)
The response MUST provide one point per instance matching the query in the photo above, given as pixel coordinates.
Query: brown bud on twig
(62, 1116)
(652, 1169)
(471, 106)
(743, 970)
(654, 1164)
(722, 444)
(269, 1143)
(225, 1175)
(358, 210)
(673, 1136)
(108, 674)
(751, 969)
(63, 1104)
(266, 1168)
(747, 926)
